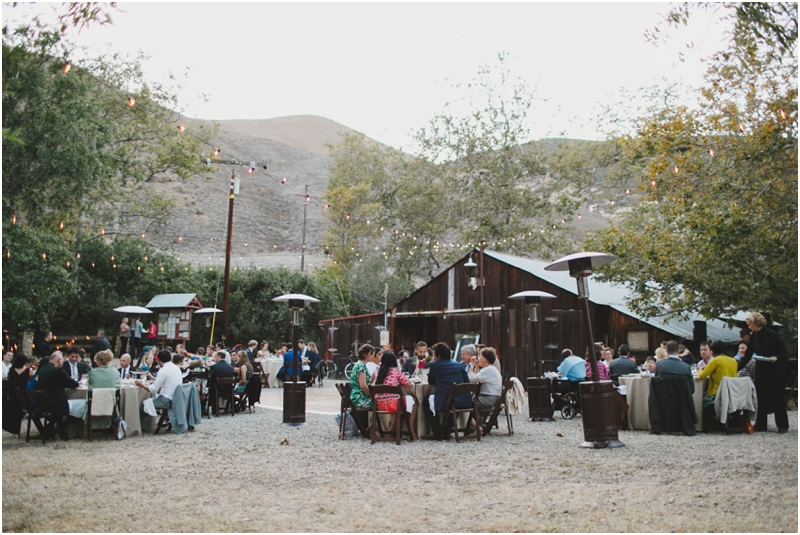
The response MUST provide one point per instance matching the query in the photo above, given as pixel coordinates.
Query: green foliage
(718, 227)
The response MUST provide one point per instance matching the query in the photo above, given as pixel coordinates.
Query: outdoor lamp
(540, 407)
(294, 392)
(473, 272)
(597, 397)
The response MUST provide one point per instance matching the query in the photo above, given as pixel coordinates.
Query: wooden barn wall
(349, 331)
(508, 329)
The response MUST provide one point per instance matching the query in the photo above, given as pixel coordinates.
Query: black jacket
(671, 405)
(54, 380)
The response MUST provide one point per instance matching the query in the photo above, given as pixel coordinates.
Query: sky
(386, 69)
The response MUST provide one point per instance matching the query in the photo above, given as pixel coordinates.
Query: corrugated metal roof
(614, 296)
(170, 300)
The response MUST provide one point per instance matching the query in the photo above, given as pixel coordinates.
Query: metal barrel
(540, 406)
(598, 410)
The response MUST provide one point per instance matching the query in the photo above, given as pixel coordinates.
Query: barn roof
(614, 296)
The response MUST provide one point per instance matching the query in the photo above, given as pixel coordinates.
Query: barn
(449, 307)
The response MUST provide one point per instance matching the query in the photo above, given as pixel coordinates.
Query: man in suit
(251, 350)
(220, 370)
(53, 379)
(125, 366)
(673, 365)
(442, 373)
(622, 364)
(74, 366)
(309, 361)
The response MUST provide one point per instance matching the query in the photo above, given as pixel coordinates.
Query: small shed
(174, 315)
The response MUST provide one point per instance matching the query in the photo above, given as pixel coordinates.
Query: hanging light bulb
(138, 268)
(783, 115)
(627, 192)
(112, 257)
(283, 180)
(653, 182)
(44, 256)
(142, 235)
(347, 217)
(67, 67)
(131, 102)
(8, 253)
(579, 216)
(92, 264)
(178, 258)
(162, 269)
(741, 128)
(216, 152)
(613, 202)
(308, 198)
(113, 266)
(145, 258)
(181, 128)
(61, 226)
(711, 152)
(676, 170)
(180, 238)
(212, 239)
(13, 219)
(77, 256)
(102, 232)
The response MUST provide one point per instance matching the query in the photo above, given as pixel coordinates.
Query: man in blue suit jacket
(673, 365)
(442, 373)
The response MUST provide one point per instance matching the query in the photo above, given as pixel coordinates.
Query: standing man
(41, 342)
(442, 373)
(74, 366)
(101, 344)
(138, 331)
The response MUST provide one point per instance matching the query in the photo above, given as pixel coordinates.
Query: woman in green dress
(359, 378)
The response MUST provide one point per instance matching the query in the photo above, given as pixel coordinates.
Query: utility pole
(232, 192)
(303, 247)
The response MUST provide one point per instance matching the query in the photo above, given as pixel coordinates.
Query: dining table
(638, 395)
(130, 400)
(272, 367)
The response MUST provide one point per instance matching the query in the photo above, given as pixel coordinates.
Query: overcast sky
(385, 69)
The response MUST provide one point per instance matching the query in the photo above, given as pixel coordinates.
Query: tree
(717, 230)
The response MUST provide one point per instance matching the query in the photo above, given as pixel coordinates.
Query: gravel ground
(232, 474)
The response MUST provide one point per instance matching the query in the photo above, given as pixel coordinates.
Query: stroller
(565, 395)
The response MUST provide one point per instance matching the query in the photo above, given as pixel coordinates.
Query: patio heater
(540, 406)
(294, 392)
(597, 397)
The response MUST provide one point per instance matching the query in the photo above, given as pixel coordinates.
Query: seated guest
(74, 366)
(168, 379)
(650, 364)
(374, 362)
(661, 353)
(469, 357)
(147, 363)
(235, 359)
(741, 350)
(263, 351)
(409, 363)
(483, 371)
(608, 355)
(310, 358)
(673, 365)
(602, 370)
(8, 356)
(718, 367)
(705, 355)
(622, 364)
(686, 355)
(125, 367)
(20, 372)
(220, 346)
(286, 373)
(220, 370)
(390, 375)
(442, 373)
(245, 372)
(53, 379)
(104, 376)
(359, 381)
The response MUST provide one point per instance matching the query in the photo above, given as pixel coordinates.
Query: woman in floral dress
(390, 375)
(359, 379)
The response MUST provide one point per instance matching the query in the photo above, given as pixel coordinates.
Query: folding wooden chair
(163, 421)
(36, 405)
(451, 411)
(346, 407)
(491, 420)
(89, 413)
(227, 385)
(377, 432)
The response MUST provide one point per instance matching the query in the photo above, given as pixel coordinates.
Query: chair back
(500, 404)
(377, 432)
(672, 405)
(452, 412)
(224, 389)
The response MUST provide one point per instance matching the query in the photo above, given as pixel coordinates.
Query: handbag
(388, 405)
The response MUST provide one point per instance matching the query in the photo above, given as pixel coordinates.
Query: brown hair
(365, 350)
(489, 354)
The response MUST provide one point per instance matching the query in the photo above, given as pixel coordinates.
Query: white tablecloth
(272, 367)
(638, 395)
(130, 399)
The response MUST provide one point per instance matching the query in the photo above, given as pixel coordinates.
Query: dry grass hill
(268, 214)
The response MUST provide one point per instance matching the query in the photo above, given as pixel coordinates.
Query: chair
(37, 405)
(163, 421)
(200, 381)
(377, 432)
(251, 396)
(491, 419)
(671, 405)
(226, 385)
(89, 415)
(259, 370)
(452, 412)
(735, 405)
(346, 407)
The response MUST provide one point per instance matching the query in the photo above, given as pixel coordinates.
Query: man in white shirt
(7, 358)
(468, 353)
(168, 379)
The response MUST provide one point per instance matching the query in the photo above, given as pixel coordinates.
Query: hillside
(268, 214)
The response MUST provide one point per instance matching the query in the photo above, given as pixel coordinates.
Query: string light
(112, 257)
(8, 253)
(131, 102)
(181, 128)
(711, 152)
(113, 266)
(67, 263)
(61, 226)
(92, 264)
(741, 128)
(44, 256)
(142, 235)
(102, 232)
(653, 182)
(77, 256)
(283, 180)
(145, 258)
(783, 115)
(627, 192)
(67, 67)
(14, 219)
(676, 170)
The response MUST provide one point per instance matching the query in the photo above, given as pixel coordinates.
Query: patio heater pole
(597, 397)
(540, 406)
